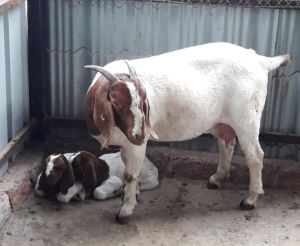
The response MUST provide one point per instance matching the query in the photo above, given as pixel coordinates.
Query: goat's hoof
(245, 205)
(122, 220)
(211, 186)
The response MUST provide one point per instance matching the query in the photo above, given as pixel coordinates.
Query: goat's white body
(190, 92)
(192, 89)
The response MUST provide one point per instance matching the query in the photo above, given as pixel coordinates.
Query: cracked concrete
(178, 212)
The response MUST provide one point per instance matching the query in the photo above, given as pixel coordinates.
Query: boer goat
(65, 176)
(216, 88)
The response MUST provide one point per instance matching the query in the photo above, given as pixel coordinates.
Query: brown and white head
(56, 176)
(118, 100)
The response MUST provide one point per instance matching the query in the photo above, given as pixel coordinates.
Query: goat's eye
(118, 105)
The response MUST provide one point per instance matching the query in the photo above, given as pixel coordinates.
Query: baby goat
(65, 176)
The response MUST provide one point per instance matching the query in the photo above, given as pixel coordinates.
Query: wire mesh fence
(277, 4)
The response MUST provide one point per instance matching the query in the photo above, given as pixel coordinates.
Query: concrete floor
(179, 212)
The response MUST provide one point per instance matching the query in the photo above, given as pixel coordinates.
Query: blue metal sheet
(24, 57)
(14, 99)
(15, 69)
(3, 106)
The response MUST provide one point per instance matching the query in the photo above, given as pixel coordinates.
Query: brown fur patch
(90, 104)
(128, 177)
(90, 170)
(100, 115)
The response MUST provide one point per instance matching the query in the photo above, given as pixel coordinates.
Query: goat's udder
(224, 132)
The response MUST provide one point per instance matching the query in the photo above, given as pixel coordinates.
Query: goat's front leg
(133, 157)
(72, 191)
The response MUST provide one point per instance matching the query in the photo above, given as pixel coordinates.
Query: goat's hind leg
(223, 171)
(254, 156)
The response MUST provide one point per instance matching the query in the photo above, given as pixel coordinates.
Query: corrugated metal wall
(97, 32)
(14, 99)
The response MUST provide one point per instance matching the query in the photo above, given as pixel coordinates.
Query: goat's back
(192, 89)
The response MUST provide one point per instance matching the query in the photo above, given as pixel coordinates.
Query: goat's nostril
(139, 137)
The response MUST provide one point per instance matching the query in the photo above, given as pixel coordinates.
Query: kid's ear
(89, 178)
(67, 179)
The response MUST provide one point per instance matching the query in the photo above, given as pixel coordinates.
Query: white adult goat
(216, 88)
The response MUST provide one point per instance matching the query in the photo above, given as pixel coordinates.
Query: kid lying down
(81, 174)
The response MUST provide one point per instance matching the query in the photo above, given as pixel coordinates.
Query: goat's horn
(110, 77)
(131, 70)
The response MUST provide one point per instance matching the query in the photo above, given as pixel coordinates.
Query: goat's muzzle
(51, 179)
(139, 137)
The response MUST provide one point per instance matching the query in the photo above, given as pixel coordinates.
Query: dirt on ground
(178, 212)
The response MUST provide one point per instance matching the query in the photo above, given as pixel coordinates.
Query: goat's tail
(275, 62)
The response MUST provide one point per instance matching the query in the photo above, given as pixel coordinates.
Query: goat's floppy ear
(67, 179)
(146, 109)
(89, 178)
(100, 118)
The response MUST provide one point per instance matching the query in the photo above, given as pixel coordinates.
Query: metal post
(36, 67)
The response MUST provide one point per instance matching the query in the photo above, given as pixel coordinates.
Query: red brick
(201, 165)
(18, 196)
(290, 180)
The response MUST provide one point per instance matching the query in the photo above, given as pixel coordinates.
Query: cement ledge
(201, 165)
(16, 184)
